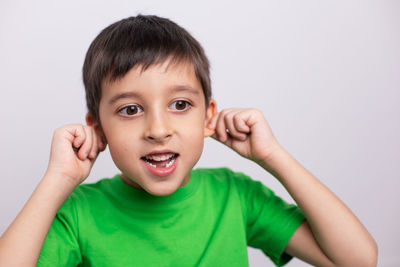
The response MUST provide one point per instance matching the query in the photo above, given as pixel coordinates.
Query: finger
(220, 127)
(227, 141)
(87, 144)
(232, 128)
(240, 124)
(79, 135)
(95, 144)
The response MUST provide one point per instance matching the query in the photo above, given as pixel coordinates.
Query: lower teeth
(166, 166)
(170, 163)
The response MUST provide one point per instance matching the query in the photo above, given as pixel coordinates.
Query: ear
(90, 121)
(210, 113)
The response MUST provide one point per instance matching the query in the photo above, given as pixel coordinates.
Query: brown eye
(180, 105)
(131, 110)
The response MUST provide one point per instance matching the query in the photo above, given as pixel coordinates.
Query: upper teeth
(160, 158)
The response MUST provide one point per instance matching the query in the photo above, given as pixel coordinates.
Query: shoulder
(98, 187)
(89, 193)
(224, 176)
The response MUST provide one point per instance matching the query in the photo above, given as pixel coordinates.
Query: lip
(160, 152)
(160, 172)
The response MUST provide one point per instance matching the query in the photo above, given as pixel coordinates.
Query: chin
(161, 190)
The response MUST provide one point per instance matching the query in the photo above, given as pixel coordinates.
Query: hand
(246, 131)
(73, 151)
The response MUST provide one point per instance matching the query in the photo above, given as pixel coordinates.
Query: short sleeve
(271, 221)
(61, 246)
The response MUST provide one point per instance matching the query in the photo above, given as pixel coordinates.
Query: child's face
(155, 123)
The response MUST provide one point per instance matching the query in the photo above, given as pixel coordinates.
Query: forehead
(157, 78)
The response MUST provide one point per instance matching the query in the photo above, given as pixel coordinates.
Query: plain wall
(326, 75)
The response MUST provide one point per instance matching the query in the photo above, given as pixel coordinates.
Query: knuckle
(223, 112)
(237, 118)
(57, 131)
(230, 116)
(226, 118)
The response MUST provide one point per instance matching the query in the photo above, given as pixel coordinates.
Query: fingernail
(92, 154)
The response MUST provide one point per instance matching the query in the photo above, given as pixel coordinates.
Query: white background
(326, 75)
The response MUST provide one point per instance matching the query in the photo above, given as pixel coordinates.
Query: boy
(149, 99)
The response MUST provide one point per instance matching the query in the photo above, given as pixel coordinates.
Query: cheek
(122, 144)
(194, 136)
(124, 151)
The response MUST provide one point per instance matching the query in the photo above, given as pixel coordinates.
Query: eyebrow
(173, 89)
(185, 88)
(122, 96)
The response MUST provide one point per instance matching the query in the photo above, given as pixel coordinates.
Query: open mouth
(164, 160)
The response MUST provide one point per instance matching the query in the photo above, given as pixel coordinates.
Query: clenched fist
(74, 149)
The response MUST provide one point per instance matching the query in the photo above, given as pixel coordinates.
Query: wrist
(274, 149)
(60, 181)
(272, 161)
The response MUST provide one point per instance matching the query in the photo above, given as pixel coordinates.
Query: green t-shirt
(208, 222)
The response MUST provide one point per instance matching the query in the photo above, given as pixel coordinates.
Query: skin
(331, 235)
(169, 113)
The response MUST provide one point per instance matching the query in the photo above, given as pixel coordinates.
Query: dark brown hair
(139, 41)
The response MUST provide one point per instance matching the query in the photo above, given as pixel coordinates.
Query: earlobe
(210, 113)
(208, 132)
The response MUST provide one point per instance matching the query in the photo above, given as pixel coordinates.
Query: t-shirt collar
(141, 199)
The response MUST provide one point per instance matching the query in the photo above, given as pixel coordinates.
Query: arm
(332, 235)
(21, 243)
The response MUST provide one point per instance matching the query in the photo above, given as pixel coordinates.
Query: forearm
(337, 231)
(22, 242)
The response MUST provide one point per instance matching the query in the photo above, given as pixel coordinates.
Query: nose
(158, 128)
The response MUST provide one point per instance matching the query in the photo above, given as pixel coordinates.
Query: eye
(180, 105)
(130, 110)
